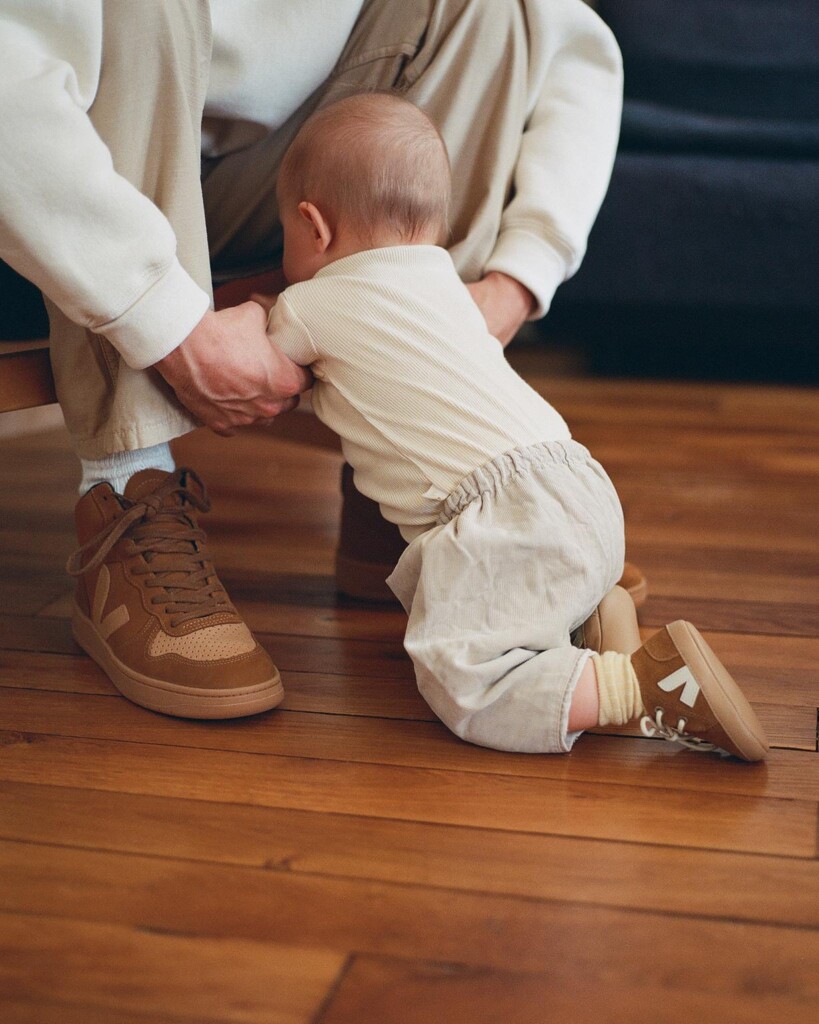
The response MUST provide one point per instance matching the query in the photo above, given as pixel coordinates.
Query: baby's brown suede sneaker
(150, 609)
(690, 698)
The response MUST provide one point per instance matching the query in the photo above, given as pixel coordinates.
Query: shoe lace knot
(174, 561)
(657, 726)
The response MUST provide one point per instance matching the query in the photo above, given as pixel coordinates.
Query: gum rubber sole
(167, 698)
(727, 702)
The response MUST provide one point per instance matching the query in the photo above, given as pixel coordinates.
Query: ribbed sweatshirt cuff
(160, 320)
(531, 261)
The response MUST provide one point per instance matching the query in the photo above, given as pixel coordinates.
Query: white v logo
(113, 620)
(682, 677)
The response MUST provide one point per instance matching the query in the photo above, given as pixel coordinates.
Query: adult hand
(505, 303)
(229, 374)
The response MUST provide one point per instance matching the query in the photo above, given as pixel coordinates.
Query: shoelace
(187, 581)
(657, 726)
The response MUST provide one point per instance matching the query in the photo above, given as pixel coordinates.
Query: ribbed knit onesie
(515, 533)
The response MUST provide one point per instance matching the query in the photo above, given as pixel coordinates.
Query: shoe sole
(169, 698)
(727, 702)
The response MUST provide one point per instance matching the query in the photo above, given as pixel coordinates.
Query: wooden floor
(345, 860)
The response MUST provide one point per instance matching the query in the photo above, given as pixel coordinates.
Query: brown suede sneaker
(369, 547)
(612, 626)
(149, 607)
(690, 698)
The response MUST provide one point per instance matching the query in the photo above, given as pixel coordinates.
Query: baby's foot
(690, 698)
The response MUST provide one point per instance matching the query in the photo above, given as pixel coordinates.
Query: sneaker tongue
(146, 481)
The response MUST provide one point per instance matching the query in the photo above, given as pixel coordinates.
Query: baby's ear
(321, 231)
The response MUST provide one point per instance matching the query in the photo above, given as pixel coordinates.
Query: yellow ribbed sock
(617, 688)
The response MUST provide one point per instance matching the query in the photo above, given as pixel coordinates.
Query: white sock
(117, 469)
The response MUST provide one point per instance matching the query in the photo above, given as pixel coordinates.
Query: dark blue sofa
(712, 217)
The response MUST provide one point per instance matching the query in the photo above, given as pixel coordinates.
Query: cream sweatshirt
(408, 376)
(107, 256)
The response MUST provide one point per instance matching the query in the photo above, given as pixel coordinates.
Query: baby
(515, 532)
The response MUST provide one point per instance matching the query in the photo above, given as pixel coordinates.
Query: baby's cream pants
(526, 547)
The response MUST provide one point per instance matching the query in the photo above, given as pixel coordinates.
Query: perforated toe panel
(213, 643)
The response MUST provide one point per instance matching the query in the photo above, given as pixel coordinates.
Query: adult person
(101, 136)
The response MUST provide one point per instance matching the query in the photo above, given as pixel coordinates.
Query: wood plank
(311, 921)
(393, 991)
(647, 814)
(382, 659)
(31, 670)
(703, 883)
(738, 574)
(44, 552)
(31, 633)
(780, 504)
(420, 744)
(137, 969)
(794, 728)
(757, 617)
(27, 593)
(713, 458)
(306, 691)
(776, 670)
(700, 533)
(683, 404)
(29, 1012)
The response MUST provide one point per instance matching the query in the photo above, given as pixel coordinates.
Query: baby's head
(367, 171)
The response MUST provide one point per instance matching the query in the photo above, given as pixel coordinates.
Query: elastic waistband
(496, 474)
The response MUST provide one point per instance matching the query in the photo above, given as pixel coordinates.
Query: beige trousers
(525, 548)
(463, 61)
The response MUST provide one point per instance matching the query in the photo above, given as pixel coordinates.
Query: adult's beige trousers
(463, 61)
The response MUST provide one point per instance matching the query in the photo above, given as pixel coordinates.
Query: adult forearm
(68, 221)
(567, 150)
